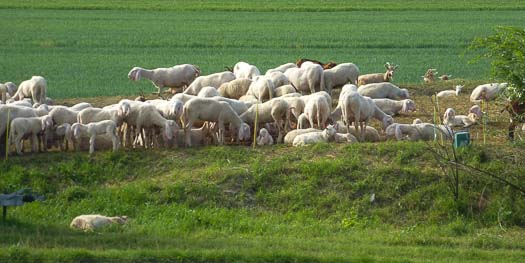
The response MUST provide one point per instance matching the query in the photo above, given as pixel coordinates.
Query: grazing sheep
(9, 112)
(262, 88)
(452, 120)
(326, 135)
(487, 92)
(182, 97)
(264, 137)
(80, 106)
(383, 90)
(206, 109)
(238, 106)
(245, 70)
(34, 88)
(91, 130)
(35, 128)
(394, 107)
(359, 109)
(378, 77)
(208, 92)
(278, 78)
(307, 78)
(449, 93)
(94, 222)
(174, 77)
(63, 114)
(116, 113)
(284, 89)
(340, 75)
(371, 134)
(148, 118)
(214, 80)
(317, 111)
(303, 122)
(276, 110)
(169, 109)
(282, 68)
(430, 75)
(235, 88)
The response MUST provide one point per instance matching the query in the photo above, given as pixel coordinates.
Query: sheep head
(244, 132)
(458, 89)
(329, 132)
(169, 127)
(47, 122)
(387, 121)
(76, 130)
(134, 73)
(450, 113)
(124, 108)
(408, 105)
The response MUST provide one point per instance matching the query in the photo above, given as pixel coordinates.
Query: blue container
(461, 139)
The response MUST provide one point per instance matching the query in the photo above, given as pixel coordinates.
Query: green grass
(275, 204)
(86, 53)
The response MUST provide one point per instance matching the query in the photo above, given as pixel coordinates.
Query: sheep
(296, 103)
(303, 122)
(264, 137)
(10, 89)
(214, 80)
(3, 93)
(290, 136)
(182, 97)
(429, 76)
(198, 137)
(169, 109)
(327, 65)
(360, 109)
(235, 88)
(80, 106)
(282, 68)
(8, 113)
(23, 103)
(63, 114)
(317, 108)
(345, 138)
(276, 110)
(262, 88)
(91, 130)
(208, 92)
(476, 109)
(339, 75)
(451, 119)
(34, 127)
(394, 107)
(326, 135)
(278, 78)
(149, 117)
(487, 92)
(238, 106)
(419, 131)
(307, 78)
(116, 113)
(378, 77)
(245, 70)
(284, 89)
(371, 134)
(94, 222)
(34, 88)
(449, 93)
(206, 109)
(62, 134)
(383, 90)
(174, 77)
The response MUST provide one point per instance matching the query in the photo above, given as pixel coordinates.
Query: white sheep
(378, 77)
(169, 109)
(238, 106)
(284, 89)
(282, 68)
(345, 138)
(264, 137)
(419, 131)
(340, 75)
(371, 134)
(326, 135)
(476, 109)
(394, 107)
(262, 88)
(174, 77)
(245, 70)
(278, 78)
(303, 122)
(80, 106)
(148, 118)
(452, 120)
(290, 136)
(214, 80)
(450, 93)
(383, 90)
(235, 88)
(116, 113)
(35, 128)
(23, 103)
(208, 92)
(182, 97)
(206, 109)
(317, 111)
(8, 113)
(487, 92)
(198, 136)
(63, 114)
(91, 130)
(276, 110)
(34, 88)
(308, 78)
(94, 222)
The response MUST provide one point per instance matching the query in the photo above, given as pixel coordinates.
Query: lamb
(115, 113)
(214, 80)
(34, 127)
(63, 135)
(264, 137)
(276, 110)
(303, 122)
(198, 137)
(449, 93)
(430, 75)
(290, 136)
(63, 114)
(317, 109)
(245, 70)
(452, 120)
(487, 92)
(307, 78)
(93, 222)
(206, 109)
(283, 90)
(394, 107)
(262, 88)
(282, 68)
(326, 135)
(169, 109)
(339, 75)
(345, 138)
(360, 109)
(476, 109)
(235, 88)
(383, 90)
(5, 91)
(182, 97)
(378, 77)
(420, 131)
(34, 88)
(208, 92)
(149, 117)
(371, 134)
(91, 130)
(174, 77)
(8, 113)
(80, 106)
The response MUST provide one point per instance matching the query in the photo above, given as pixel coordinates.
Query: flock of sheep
(291, 103)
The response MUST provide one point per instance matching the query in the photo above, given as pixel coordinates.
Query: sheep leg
(34, 143)
(18, 144)
(114, 138)
(187, 132)
(92, 143)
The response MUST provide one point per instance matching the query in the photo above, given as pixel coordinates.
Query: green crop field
(87, 49)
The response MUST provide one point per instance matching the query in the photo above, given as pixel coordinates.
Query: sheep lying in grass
(487, 92)
(378, 77)
(91, 130)
(452, 120)
(35, 128)
(213, 80)
(371, 134)
(290, 136)
(345, 138)
(420, 131)
(264, 137)
(339, 75)
(326, 135)
(394, 107)
(449, 93)
(383, 90)
(235, 88)
(34, 88)
(178, 76)
(94, 222)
